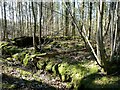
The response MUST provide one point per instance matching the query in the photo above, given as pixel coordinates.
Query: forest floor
(76, 66)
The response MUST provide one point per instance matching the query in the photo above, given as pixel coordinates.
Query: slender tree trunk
(100, 46)
(112, 7)
(67, 18)
(2, 24)
(20, 21)
(34, 32)
(40, 33)
(13, 20)
(5, 24)
(89, 36)
(118, 34)
(51, 23)
(73, 25)
(30, 19)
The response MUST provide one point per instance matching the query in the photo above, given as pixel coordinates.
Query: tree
(30, 17)
(40, 22)
(100, 45)
(13, 20)
(73, 25)
(67, 18)
(2, 38)
(89, 36)
(117, 48)
(5, 36)
(52, 20)
(34, 32)
(20, 18)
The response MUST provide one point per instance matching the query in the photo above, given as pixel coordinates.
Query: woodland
(59, 45)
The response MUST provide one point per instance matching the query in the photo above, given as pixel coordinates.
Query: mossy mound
(100, 82)
(41, 64)
(19, 56)
(49, 66)
(64, 71)
(8, 49)
(71, 72)
(55, 69)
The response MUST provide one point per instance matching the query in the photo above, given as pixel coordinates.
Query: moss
(24, 73)
(77, 74)
(55, 44)
(64, 71)
(100, 82)
(70, 46)
(26, 59)
(10, 50)
(16, 56)
(9, 59)
(14, 49)
(62, 68)
(3, 44)
(79, 46)
(76, 80)
(41, 64)
(37, 78)
(41, 54)
(48, 47)
(22, 56)
(49, 66)
(8, 86)
(55, 69)
(69, 85)
(19, 56)
(93, 69)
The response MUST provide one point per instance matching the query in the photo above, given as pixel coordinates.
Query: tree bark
(40, 21)
(5, 37)
(73, 25)
(66, 18)
(34, 32)
(89, 36)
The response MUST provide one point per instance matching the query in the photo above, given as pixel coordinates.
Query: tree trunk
(89, 36)
(73, 25)
(34, 32)
(118, 29)
(2, 24)
(40, 12)
(30, 19)
(100, 46)
(66, 18)
(5, 37)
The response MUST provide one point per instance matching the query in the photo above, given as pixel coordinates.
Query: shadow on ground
(100, 82)
(12, 83)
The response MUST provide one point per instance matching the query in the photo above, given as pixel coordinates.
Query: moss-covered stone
(62, 68)
(41, 64)
(26, 59)
(3, 44)
(76, 79)
(55, 69)
(8, 49)
(19, 56)
(16, 56)
(9, 59)
(93, 69)
(64, 71)
(48, 48)
(50, 65)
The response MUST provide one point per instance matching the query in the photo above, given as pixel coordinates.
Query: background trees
(98, 24)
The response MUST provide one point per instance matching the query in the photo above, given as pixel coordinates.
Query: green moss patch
(100, 82)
